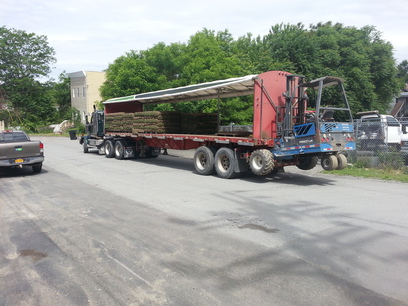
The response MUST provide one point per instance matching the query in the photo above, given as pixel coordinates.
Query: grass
(400, 175)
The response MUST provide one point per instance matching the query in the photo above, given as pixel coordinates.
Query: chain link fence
(380, 144)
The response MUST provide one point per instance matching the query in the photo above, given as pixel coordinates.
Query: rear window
(13, 136)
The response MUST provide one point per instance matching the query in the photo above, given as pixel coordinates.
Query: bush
(363, 162)
(80, 127)
(391, 160)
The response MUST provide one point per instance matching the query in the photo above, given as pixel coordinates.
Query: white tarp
(233, 87)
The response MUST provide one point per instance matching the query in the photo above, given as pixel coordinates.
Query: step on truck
(287, 128)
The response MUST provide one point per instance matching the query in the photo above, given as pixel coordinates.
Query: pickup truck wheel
(307, 163)
(261, 162)
(119, 150)
(342, 161)
(86, 148)
(224, 163)
(329, 162)
(37, 168)
(204, 160)
(109, 150)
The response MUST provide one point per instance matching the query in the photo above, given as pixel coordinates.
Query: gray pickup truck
(17, 150)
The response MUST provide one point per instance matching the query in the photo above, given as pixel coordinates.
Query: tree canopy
(25, 57)
(358, 55)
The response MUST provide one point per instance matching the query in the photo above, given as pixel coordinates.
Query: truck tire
(204, 160)
(261, 162)
(224, 163)
(149, 153)
(307, 162)
(329, 162)
(109, 149)
(86, 148)
(119, 149)
(342, 161)
(37, 168)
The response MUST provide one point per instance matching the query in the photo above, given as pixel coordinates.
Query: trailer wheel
(224, 163)
(109, 150)
(308, 162)
(86, 148)
(261, 162)
(329, 162)
(342, 161)
(152, 152)
(204, 160)
(119, 150)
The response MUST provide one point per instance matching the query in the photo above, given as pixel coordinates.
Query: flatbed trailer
(284, 131)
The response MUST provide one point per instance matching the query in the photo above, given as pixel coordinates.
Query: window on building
(73, 92)
(78, 92)
(83, 92)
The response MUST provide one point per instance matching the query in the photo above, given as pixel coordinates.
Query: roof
(233, 87)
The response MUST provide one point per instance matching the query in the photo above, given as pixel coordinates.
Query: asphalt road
(89, 230)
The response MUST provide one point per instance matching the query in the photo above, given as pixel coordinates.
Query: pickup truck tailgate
(21, 150)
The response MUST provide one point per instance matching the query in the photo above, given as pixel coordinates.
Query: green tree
(128, 75)
(61, 95)
(403, 73)
(25, 57)
(358, 55)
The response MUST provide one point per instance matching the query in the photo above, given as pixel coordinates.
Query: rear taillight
(41, 145)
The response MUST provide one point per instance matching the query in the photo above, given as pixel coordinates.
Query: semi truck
(285, 131)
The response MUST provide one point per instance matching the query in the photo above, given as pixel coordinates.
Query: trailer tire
(149, 153)
(329, 162)
(119, 149)
(342, 161)
(204, 160)
(224, 163)
(261, 162)
(109, 149)
(307, 162)
(86, 148)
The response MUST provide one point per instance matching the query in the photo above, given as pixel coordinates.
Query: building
(85, 90)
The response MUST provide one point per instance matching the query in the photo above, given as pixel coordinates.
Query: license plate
(20, 160)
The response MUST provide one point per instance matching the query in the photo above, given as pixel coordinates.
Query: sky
(90, 34)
